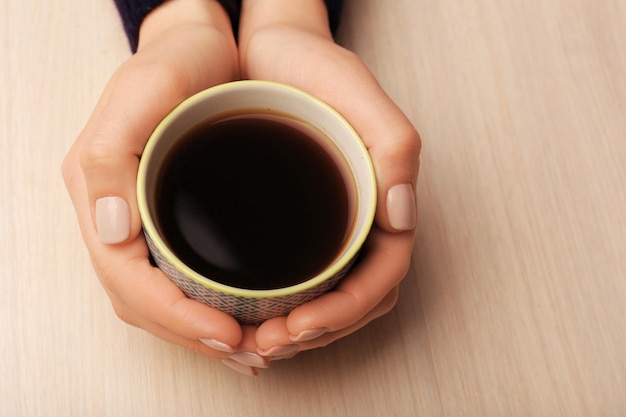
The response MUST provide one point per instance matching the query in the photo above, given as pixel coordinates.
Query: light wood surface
(516, 302)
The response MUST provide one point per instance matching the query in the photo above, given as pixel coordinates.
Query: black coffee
(254, 201)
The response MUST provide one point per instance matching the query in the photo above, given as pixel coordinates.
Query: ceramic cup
(253, 305)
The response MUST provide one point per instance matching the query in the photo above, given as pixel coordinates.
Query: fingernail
(250, 359)
(279, 352)
(401, 208)
(217, 345)
(243, 369)
(112, 219)
(280, 358)
(307, 335)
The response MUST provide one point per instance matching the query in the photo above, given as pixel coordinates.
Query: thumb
(137, 98)
(392, 141)
(130, 108)
(395, 155)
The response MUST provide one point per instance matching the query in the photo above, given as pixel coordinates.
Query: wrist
(175, 14)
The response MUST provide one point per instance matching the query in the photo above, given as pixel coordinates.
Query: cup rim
(150, 227)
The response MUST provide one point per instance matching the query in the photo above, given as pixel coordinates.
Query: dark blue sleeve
(334, 13)
(133, 12)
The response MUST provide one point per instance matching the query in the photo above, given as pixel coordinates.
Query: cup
(255, 197)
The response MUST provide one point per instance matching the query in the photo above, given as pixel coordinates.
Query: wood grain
(516, 301)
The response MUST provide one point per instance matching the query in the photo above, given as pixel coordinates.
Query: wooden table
(516, 302)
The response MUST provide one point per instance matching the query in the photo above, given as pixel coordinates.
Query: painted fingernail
(112, 219)
(250, 359)
(242, 369)
(401, 207)
(217, 345)
(280, 352)
(307, 335)
(280, 358)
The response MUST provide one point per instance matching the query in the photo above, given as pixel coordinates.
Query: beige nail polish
(307, 335)
(280, 351)
(217, 345)
(401, 209)
(112, 219)
(242, 369)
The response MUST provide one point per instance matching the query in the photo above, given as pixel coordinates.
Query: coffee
(258, 201)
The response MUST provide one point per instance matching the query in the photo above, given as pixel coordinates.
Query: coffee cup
(255, 197)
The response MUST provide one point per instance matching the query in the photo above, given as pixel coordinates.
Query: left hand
(284, 42)
(185, 46)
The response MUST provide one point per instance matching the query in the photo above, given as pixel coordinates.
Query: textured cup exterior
(246, 310)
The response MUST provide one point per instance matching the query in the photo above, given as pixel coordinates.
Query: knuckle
(105, 276)
(182, 313)
(390, 301)
(413, 143)
(406, 143)
(162, 85)
(123, 312)
(404, 265)
(99, 153)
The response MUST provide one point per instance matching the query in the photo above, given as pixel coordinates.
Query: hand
(185, 46)
(291, 43)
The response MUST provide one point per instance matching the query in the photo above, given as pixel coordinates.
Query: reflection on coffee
(255, 201)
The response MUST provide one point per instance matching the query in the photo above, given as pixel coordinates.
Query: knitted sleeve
(133, 12)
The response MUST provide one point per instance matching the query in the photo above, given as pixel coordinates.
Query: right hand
(291, 43)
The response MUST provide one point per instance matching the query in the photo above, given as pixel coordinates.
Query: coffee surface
(253, 201)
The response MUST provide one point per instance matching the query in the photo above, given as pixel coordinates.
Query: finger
(385, 263)
(139, 95)
(273, 339)
(275, 343)
(273, 332)
(202, 346)
(247, 350)
(143, 288)
(384, 307)
(198, 346)
(396, 162)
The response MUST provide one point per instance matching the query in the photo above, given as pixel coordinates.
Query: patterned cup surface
(247, 310)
